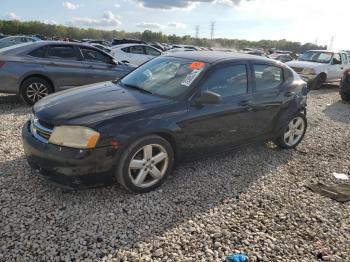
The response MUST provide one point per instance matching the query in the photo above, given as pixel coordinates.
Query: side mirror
(208, 97)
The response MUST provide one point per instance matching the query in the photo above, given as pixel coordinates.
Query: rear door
(100, 67)
(270, 91)
(63, 62)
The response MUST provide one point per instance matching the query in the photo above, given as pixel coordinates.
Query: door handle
(289, 94)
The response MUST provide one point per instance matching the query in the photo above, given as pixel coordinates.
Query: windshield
(164, 76)
(316, 56)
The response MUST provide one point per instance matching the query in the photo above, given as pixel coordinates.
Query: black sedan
(345, 86)
(171, 109)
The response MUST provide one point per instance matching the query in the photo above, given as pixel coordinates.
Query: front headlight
(309, 71)
(74, 136)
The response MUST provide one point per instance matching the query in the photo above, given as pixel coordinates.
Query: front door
(336, 69)
(99, 66)
(63, 65)
(216, 127)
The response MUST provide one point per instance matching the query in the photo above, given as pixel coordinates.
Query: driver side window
(336, 59)
(228, 81)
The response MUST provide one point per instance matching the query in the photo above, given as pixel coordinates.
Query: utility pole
(331, 43)
(212, 30)
(197, 31)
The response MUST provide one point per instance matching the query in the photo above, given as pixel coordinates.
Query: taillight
(2, 63)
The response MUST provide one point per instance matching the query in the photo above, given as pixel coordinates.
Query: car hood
(90, 104)
(304, 64)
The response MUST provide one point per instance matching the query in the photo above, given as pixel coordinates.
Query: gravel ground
(253, 200)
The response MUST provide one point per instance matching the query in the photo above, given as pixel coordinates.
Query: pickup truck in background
(317, 67)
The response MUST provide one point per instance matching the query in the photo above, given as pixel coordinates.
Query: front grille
(298, 69)
(40, 129)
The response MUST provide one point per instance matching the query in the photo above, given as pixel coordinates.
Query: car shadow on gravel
(338, 112)
(120, 219)
(13, 100)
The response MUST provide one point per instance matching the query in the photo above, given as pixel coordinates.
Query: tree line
(15, 27)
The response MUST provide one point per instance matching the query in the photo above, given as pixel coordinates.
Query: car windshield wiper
(137, 88)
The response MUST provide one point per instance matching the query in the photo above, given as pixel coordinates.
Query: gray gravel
(253, 200)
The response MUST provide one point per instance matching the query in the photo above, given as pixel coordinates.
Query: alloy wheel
(37, 91)
(295, 131)
(148, 165)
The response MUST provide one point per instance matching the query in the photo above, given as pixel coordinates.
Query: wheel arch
(165, 134)
(172, 141)
(39, 76)
(324, 75)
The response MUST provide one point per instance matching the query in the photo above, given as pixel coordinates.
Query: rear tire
(318, 82)
(345, 97)
(293, 133)
(145, 164)
(35, 88)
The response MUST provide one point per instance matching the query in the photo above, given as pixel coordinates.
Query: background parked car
(136, 54)
(281, 57)
(100, 42)
(126, 41)
(317, 67)
(38, 69)
(102, 47)
(15, 40)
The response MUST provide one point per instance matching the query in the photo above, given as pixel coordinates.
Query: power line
(212, 30)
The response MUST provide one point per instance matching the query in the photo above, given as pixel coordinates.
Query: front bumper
(69, 167)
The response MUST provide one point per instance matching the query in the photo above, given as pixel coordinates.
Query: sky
(315, 21)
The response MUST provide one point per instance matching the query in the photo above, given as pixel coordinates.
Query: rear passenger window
(40, 52)
(94, 55)
(288, 75)
(137, 49)
(267, 77)
(228, 81)
(62, 52)
(151, 51)
(126, 49)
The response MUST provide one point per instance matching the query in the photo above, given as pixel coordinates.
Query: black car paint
(345, 84)
(123, 114)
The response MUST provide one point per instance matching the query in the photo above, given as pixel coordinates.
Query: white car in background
(317, 67)
(136, 54)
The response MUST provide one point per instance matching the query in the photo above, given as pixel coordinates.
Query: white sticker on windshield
(191, 77)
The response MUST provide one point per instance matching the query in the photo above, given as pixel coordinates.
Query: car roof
(25, 47)
(215, 56)
(127, 45)
(327, 51)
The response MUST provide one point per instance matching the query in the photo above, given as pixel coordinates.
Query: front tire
(145, 164)
(35, 88)
(293, 133)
